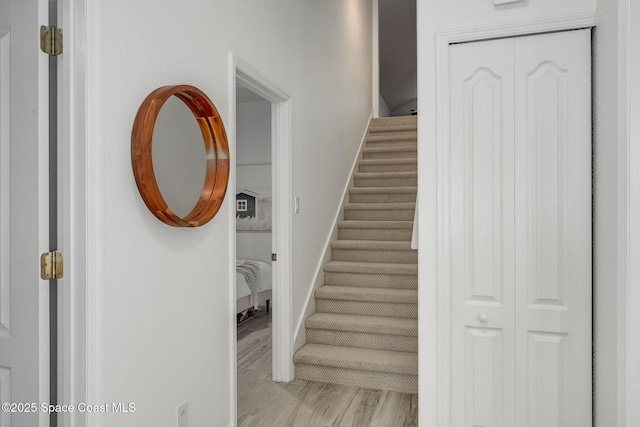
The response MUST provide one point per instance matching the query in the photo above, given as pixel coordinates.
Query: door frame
(81, 293)
(434, 384)
(628, 291)
(241, 72)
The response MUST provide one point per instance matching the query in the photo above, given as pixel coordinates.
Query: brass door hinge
(51, 265)
(51, 40)
(274, 257)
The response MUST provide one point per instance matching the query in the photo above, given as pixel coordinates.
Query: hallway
(262, 402)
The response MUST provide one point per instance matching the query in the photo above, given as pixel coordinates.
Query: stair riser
(389, 167)
(390, 256)
(355, 378)
(363, 340)
(408, 181)
(397, 281)
(389, 235)
(382, 198)
(379, 215)
(366, 308)
(391, 141)
(393, 134)
(395, 130)
(394, 121)
(391, 155)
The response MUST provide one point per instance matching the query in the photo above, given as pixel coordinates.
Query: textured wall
(168, 314)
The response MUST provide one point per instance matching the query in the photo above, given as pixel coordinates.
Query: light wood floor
(261, 402)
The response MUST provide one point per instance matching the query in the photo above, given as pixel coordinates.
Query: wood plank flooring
(262, 402)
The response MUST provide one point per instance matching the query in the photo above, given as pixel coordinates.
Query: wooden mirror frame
(216, 147)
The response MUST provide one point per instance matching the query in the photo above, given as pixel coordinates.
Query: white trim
(628, 221)
(43, 225)
(516, 28)
(82, 211)
(233, 340)
(375, 59)
(623, 207)
(5, 181)
(439, 368)
(245, 75)
(319, 274)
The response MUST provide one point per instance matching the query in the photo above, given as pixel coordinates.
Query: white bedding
(264, 279)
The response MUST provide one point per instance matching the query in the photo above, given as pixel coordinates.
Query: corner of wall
(300, 335)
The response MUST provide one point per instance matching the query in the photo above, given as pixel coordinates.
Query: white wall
(253, 133)
(435, 15)
(168, 320)
(253, 157)
(405, 110)
(383, 109)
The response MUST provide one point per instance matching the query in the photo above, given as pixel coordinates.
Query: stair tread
(380, 206)
(375, 224)
(394, 174)
(352, 293)
(383, 245)
(376, 162)
(370, 267)
(356, 358)
(364, 324)
(383, 190)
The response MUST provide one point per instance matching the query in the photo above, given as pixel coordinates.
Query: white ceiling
(398, 52)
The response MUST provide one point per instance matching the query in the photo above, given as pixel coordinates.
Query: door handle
(483, 318)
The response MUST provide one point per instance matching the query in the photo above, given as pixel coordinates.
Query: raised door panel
(481, 176)
(553, 229)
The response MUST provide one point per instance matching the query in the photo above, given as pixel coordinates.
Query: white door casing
(24, 212)
(520, 175)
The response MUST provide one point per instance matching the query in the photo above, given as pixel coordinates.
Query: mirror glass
(179, 156)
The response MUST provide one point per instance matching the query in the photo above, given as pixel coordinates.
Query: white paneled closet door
(520, 215)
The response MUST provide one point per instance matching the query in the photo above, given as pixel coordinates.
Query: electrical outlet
(183, 415)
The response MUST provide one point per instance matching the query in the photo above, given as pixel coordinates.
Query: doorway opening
(254, 242)
(263, 100)
(397, 58)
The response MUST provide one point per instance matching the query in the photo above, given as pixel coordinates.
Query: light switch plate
(183, 415)
(503, 2)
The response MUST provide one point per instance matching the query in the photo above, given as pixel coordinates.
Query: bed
(245, 299)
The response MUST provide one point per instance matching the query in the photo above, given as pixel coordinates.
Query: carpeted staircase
(365, 329)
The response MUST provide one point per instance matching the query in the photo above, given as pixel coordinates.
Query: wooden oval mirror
(216, 153)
